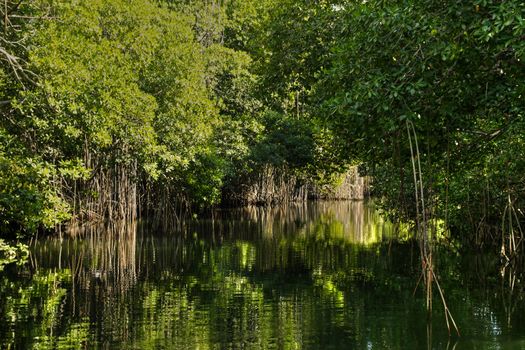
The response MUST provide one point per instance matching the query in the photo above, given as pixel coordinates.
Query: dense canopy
(113, 109)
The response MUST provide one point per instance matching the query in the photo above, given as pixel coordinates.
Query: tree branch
(33, 17)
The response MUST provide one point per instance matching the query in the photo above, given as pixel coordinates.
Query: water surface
(326, 275)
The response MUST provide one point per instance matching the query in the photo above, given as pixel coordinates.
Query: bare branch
(19, 71)
(6, 18)
(12, 60)
(33, 17)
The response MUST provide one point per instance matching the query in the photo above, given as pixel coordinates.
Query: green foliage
(12, 254)
(28, 193)
(185, 98)
(285, 141)
(295, 40)
(454, 71)
(88, 94)
(119, 83)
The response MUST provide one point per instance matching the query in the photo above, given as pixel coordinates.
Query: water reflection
(351, 221)
(323, 275)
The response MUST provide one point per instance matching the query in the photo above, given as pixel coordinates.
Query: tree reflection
(297, 277)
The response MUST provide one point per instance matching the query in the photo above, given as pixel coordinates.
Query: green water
(316, 276)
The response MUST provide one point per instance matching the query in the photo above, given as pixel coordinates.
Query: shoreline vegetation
(116, 109)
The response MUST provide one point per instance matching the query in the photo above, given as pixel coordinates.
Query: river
(323, 275)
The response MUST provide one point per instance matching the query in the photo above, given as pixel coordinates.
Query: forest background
(116, 109)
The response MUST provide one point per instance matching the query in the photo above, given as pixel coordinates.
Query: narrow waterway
(325, 275)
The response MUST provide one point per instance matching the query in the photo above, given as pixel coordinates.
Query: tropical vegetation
(114, 109)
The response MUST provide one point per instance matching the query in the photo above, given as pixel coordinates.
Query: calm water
(318, 276)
